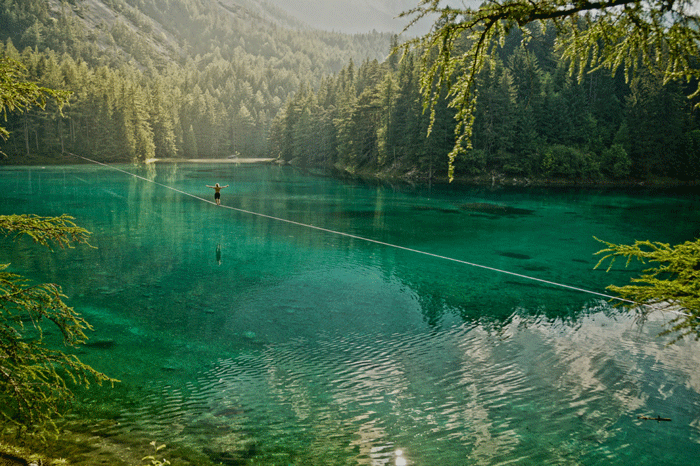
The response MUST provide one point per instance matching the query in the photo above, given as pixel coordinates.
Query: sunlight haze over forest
(356, 16)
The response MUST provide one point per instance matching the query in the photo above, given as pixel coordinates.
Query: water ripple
(535, 391)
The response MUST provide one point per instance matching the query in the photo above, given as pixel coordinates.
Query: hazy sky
(356, 16)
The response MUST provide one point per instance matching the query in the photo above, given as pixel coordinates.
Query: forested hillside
(165, 78)
(212, 78)
(532, 121)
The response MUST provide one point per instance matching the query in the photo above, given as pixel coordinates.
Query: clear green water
(255, 341)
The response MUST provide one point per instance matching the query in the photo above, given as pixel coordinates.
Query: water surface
(250, 340)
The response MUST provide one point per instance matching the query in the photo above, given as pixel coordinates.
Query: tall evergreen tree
(619, 34)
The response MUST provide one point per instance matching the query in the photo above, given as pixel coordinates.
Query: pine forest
(205, 79)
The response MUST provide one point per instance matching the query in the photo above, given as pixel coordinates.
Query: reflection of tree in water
(490, 299)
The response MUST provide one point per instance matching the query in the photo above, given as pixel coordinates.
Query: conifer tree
(35, 379)
(671, 284)
(660, 35)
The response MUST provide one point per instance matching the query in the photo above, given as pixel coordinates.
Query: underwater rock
(224, 457)
(250, 335)
(230, 411)
(208, 426)
(494, 209)
(243, 452)
(170, 368)
(443, 210)
(537, 268)
(100, 344)
(515, 255)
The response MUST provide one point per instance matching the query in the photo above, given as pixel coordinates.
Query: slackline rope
(361, 238)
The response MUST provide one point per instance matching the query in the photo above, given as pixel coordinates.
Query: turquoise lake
(252, 340)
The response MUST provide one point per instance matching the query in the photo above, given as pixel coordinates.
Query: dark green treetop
(17, 94)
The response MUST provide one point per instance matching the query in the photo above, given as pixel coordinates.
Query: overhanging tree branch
(660, 35)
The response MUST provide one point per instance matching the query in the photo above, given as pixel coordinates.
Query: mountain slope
(361, 16)
(160, 78)
(351, 16)
(155, 32)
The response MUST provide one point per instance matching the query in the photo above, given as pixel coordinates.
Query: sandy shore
(236, 160)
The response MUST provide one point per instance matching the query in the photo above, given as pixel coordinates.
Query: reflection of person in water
(217, 192)
(218, 254)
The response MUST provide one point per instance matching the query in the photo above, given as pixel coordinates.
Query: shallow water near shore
(251, 340)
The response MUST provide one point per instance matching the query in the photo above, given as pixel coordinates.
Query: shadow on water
(483, 208)
(425, 208)
(514, 255)
(495, 210)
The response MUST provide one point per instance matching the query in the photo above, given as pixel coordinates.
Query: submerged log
(657, 418)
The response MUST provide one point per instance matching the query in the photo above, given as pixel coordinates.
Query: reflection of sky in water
(533, 391)
(268, 342)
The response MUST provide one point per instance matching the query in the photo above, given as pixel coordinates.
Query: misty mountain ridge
(212, 74)
(352, 16)
(161, 31)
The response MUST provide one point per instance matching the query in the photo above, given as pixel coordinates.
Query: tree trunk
(26, 133)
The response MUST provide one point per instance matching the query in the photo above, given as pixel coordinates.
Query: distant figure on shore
(217, 192)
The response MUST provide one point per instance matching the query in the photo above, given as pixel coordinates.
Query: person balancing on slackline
(217, 192)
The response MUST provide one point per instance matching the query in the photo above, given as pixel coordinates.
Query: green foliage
(36, 379)
(44, 230)
(534, 117)
(570, 163)
(615, 162)
(152, 460)
(672, 284)
(154, 69)
(18, 94)
(691, 154)
(659, 35)
(472, 162)
(531, 121)
(656, 35)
